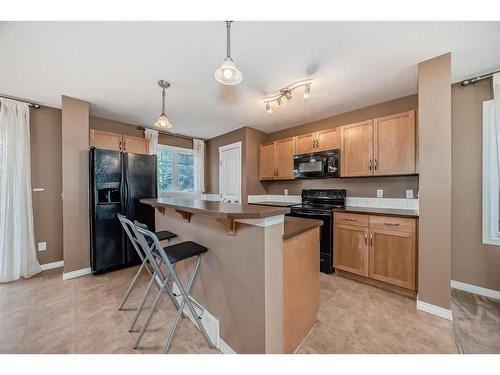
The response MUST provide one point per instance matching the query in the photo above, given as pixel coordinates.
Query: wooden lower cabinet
(351, 249)
(379, 248)
(392, 257)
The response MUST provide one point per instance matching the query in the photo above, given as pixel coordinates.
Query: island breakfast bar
(251, 251)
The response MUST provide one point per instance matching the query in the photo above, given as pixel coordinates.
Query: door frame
(230, 146)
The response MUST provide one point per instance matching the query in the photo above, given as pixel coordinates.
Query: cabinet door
(327, 140)
(284, 150)
(135, 145)
(394, 144)
(350, 250)
(392, 257)
(105, 140)
(305, 143)
(266, 161)
(357, 149)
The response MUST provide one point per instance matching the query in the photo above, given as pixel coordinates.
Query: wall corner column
(434, 105)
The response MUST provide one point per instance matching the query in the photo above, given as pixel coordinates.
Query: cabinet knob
(375, 164)
(370, 165)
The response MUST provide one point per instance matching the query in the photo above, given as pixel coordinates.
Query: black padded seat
(162, 236)
(182, 251)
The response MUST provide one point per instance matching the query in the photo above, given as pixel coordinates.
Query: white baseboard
(225, 348)
(490, 293)
(210, 322)
(49, 266)
(435, 310)
(77, 273)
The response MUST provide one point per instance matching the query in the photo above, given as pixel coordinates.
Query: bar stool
(162, 236)
(170, 256)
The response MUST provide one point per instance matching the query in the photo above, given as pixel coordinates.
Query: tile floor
(47, 315)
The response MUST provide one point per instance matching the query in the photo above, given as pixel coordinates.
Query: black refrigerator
(118, 180)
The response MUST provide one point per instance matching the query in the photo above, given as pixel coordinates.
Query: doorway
(230, 172)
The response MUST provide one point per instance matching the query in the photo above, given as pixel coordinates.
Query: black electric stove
(319, 204)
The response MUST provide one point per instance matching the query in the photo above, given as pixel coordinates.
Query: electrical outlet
(380, 193)
(409, 194)
(42, 246)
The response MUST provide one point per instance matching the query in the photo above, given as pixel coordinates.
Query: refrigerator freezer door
(140, 182)
(106, 232)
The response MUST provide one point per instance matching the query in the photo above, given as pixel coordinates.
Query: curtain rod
(171, 134)
(472, 81)
(32, 105)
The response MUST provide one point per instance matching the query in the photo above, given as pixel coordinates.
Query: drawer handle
(349, 219)
(392, 224)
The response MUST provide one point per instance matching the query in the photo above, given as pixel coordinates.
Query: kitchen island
(260, 276)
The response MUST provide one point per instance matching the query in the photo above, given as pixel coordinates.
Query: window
(175, 169)
(491, 176)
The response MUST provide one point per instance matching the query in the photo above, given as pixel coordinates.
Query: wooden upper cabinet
(305, 143)
(327, 140)
(351, 249)
(135, 145)
(284, 151)
(394, 150)
(357, 149)
(393, 257)
(105, 140)
(267, 169)
(118, 142)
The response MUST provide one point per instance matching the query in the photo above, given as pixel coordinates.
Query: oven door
(326, 240)
(310, 166)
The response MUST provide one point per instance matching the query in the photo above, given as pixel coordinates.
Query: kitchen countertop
(411, 214)
(275, 204)
(217, 209)
(298, 225)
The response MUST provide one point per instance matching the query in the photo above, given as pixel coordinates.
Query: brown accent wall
(434, 91)
(253, 139)
(46, 173)
(212, 160)
(75, 180)
(394, 187)
(472, 262)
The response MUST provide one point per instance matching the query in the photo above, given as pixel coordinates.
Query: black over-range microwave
(317, 165)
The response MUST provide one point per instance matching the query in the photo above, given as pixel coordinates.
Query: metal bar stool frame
(142, 234)
(128, 228)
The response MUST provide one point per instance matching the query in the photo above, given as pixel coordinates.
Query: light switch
(409, 194)
(380, 193)
(42, 246)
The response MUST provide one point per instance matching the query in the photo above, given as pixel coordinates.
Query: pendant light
(163, 121)
(228, 73)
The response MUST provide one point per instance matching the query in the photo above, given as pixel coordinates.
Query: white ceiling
(115, 66)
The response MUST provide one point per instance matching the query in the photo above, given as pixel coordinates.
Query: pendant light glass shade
(163, 122)
(228, 73)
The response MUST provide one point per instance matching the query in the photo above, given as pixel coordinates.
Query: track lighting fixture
(287, 93)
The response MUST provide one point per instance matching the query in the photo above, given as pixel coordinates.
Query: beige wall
(472, 262)
(212, 160)
(75, 180)
(46, 173)
(434, 91)
(394, 187)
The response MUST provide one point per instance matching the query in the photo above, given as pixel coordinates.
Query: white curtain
(199, 165)
(17, 239)
(152, 136)
(496, 97)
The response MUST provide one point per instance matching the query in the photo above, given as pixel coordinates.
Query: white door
(230, 172)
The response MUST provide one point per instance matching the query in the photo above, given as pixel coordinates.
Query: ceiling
(115, 66)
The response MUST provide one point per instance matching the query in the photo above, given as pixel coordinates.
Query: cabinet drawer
(351, 219)
(393, 223)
